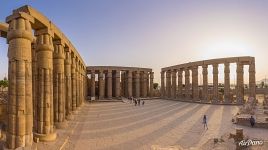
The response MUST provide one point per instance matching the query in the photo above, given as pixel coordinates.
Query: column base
(61, 125)
(70, 117)
(45, 137)
(75, 112)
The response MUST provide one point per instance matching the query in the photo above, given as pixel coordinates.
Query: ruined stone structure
(116, 82)
(47, 78)
(172, 87)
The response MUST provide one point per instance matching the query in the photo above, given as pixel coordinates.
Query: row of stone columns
(132, 84)
(174, 90)
(47, 83)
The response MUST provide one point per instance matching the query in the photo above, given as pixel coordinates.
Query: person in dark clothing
(143, 102)
(205, 122)
(135, 101)
(252, 121)
(139, 102)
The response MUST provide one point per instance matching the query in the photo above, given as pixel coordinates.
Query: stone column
(252, 79)
(145, 77)
(93, 85)
(151, 84)
(205, 83)
(187, 83)
(137, 84)
(44, 130)
(239, 83)
(195, 83)
(74, 86)
(129, 83)
(174, 86)
(19, 105)
(109, 84)
(141, 84)
(227, 83)
(215, 84)
(101, 85)
(117, 84)
(162, 84)
(34, 80)
(179, 83)
(78, 86)
(59, 85)
(168, 84)
(68, 85)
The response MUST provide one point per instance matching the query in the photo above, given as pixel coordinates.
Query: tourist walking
(252, 121)
(143, 103)
(205, 122)
(135, 101)
(139, 102)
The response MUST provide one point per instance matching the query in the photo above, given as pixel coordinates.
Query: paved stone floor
(121, 126)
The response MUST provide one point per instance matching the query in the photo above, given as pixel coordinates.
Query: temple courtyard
(157, 124)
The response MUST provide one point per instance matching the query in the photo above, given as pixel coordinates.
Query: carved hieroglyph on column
(59, 85)
(68, 85)
(195, 83)
(101, 85)
(44, 130)
(162, 84)
(227, 82)
(215, 83)
(205, 83)
(239, 83)
(19, 106)
(174, 86)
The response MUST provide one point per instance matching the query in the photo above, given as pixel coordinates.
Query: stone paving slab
(159, 124)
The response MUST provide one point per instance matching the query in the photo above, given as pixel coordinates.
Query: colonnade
(47, 78)
(172, 86)
(117, 82)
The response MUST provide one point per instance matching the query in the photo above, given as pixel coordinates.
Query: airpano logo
(250, 142)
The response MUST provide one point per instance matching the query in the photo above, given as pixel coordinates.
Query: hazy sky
(156, 33)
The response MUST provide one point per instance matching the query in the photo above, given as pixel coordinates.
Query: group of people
(136, 101)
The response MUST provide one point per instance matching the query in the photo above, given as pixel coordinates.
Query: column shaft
(205, 84)
(151, 84)
(44, 130)
(168, 84)
(101, 85)
(109, 84)
(137, 84)
(162, 84)
(74, 86)
(59, 85)
(180, 83)
(117, 84)
(68, 84)
(252, 79)
(93, 85)
(187, 83)
(174, 86)
(129, 83)
(195, 83)
(240, 83)
(215, 83)
(227, 83)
